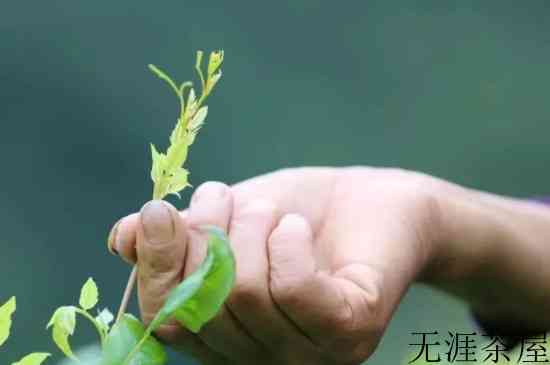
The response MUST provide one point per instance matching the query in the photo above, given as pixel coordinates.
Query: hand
(323, 258)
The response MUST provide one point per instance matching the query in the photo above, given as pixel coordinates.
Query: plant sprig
(197, 299)
(63, 321)
(167, 172)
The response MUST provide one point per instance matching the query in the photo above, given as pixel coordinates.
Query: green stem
(96, 325)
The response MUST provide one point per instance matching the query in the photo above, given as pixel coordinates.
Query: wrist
(493, 253)
(468, 230)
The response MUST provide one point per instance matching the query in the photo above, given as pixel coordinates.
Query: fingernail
(111, 241)
(157, 221)
(209, 191)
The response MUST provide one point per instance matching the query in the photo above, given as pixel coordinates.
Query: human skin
(325, 255)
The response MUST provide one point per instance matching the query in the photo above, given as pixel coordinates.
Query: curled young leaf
(104, 319)
(191, 105)
(198, 119)
(125, 335)
(89, 295)
(215, 61)
(35, 358)
(212, 81)
(6, 312)
(163, 76)
(200, 296)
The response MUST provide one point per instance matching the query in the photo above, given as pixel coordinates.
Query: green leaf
(6, 312)
(65, 318)
(191, 98)
(61, 339)
(212, 81)
(36, 358)
(178, 182)
(176, 155)
(124, 336)
(215, 61)
(198, 119)
(64, 323)
(88, 295)
(158, 164)
(199, 297)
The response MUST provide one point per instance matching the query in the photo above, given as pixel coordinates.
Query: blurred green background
(457, 89)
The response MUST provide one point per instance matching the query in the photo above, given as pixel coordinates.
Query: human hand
(323, 258)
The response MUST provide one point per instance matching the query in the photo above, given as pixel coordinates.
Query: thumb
(161, 246)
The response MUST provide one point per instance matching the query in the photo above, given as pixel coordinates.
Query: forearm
(494, 252)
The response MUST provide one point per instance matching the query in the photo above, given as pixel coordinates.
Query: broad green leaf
(36, 358)
(199, 297)
(104, 319)
(64, 323)
(65, 318)
(61, 339)
(88, 295)
(6, 312)
(123, 337)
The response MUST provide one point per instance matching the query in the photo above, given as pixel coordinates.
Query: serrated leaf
(6, 313)
(176, 155)
(178, 181)
(198, 119)
(200, 296)
(89, 295)
(64, 323)
(104, 319)
(158, 164)
(176, 132)
(36, 358)
(124, 336)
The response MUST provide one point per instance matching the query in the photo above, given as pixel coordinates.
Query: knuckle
(284, 293)
(210, 186)
(361, 323)
(256, 209)
(245, 293)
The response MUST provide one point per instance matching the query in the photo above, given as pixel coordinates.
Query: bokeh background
(458, 89)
